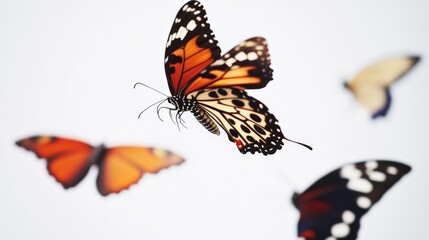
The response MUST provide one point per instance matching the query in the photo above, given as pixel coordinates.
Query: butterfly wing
(122, 167)
(247, 65)
(247, 121)
(68, 160)
(191, 46)
(371, 85)
(333, 205)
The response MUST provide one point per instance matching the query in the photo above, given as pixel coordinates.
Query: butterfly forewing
(68, 160)
(333, 205)
(191, 46)
(247, 121)
(385, 72)
(124, 166)
(247, 65)
(371, 85)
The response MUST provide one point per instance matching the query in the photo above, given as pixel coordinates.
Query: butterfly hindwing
(333, 205)
(247, 65)
(68, 160)
(124, 166)
(246, 120)
(191, 46)
(371, 85)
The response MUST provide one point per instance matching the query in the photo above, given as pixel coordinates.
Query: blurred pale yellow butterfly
(371, 85)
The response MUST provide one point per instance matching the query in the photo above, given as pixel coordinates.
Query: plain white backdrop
(68, 68)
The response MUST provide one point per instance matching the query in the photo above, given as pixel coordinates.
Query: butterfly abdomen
(205, 120)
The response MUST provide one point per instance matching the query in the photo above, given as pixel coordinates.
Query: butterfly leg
(171, 115)
(181, 119)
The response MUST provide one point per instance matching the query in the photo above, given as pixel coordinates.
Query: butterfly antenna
(162, 100)
(139, 83)
(300, 143)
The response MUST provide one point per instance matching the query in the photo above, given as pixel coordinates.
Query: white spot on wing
(219, 62)
(371, 165)
(363, 202)
(350, 172)
(241, 56)
(230, 61)
(191, 25)
(249, 44)
(181, 33)
(360, 185)
(376, 176)
(252, 56)
(392, 170)
(348, 217)
(259, 47)
(340, 230)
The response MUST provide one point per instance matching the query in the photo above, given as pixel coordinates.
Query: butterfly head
(346, 85)
(181, 104)
(295, 199)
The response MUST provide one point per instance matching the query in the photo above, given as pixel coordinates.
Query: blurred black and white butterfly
(212, 86)
(332, 207)
(371, 85)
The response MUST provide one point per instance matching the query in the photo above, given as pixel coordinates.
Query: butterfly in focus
(371, 85)
(332, 207)
(212, 86)
(120, 167)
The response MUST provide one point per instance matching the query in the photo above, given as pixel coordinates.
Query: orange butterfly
(119, 167)
(212, 87)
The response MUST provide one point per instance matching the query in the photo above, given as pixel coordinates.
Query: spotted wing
(122, 167)
(68, 160)
(247, 121)
(332, 207)
(191, 46)
(247, 65)
(371, 85)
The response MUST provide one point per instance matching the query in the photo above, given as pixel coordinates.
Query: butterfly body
(69, 161)
(212, 86)
(332, 207)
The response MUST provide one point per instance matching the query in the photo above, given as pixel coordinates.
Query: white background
(68, 67)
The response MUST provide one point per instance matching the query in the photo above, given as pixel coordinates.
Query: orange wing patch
(68, 160)
(188, 62)
(124, 166)
(247, 65)
(49, 146)
(70, 168)
(238, 77)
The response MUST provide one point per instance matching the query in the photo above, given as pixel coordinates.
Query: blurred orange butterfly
(371, 85)
(119, 167)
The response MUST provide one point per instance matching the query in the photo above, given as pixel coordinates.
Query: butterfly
(212, 86)
(332, 207)
(371, 85)
(120, 167)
